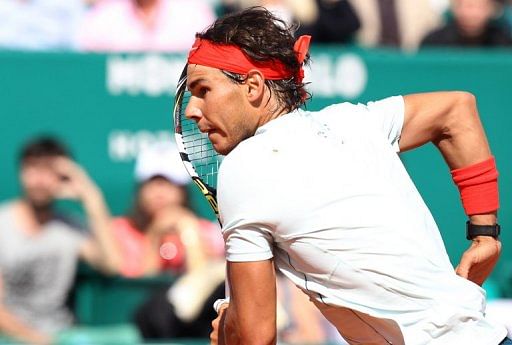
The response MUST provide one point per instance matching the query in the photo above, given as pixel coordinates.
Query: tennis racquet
(200, 159)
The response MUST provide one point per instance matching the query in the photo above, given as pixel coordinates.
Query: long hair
(263, 37)
(139, 217)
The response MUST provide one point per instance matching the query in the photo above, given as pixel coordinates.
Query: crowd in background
(170, 25)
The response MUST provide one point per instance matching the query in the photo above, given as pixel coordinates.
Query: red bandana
(232, 59)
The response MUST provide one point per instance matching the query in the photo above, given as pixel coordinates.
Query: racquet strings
(201, 154)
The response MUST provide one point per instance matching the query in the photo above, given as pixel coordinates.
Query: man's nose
(192, 111)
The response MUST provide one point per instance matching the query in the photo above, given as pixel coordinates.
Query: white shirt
(325, 194)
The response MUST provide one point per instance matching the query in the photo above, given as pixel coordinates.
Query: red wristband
(478, 187)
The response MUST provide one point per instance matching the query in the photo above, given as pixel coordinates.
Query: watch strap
(473, 230)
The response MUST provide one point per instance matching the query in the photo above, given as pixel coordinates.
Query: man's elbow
(463, 115)
(466, 100)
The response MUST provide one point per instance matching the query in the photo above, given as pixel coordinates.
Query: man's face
(39, 180)
(219, 108)
(472, 15)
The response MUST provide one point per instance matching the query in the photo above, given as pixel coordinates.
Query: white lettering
(152, 75)
(125, 145)
(344, 75)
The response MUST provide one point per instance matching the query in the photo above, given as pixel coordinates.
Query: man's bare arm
(101, 250)
(251, 315)
(448, 119)
(451, 121)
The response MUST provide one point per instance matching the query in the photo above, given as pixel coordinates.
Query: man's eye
(203, 91)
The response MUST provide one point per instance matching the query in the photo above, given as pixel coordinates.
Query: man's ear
(255, 85)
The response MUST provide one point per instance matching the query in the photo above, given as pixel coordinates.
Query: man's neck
(272, 113)
(34, 216)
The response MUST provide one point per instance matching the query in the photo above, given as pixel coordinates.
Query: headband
(231, 58)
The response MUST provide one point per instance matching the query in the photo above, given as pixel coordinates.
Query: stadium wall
(107, 107)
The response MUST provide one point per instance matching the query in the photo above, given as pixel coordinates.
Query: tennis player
(324, 197)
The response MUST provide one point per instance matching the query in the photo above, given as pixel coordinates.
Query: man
(474, 24)
(324, 197)
(39, 248)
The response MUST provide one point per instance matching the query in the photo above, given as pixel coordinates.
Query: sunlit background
(99, 77)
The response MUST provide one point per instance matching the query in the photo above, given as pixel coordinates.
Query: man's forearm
(461, 138)
(100, 223)
(483, 219)
(463, 143)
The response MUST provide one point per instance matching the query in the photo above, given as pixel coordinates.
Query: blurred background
(103, 240)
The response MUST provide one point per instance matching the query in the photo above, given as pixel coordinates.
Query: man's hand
(479, 260)
(216, 337)
(75, 183)
(224, 329)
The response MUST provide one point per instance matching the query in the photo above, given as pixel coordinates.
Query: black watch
(473, 230)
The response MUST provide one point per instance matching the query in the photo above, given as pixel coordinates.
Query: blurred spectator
(162, 234)
(508, 11)
(287, 10)
(39, 24)
(335, 22)
(396, 23)
(474, 23)
(39, 247)
(143, 25)
(328, 21)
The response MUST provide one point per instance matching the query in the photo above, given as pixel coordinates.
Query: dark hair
(138, 216)
(45, 146)
(263, 37)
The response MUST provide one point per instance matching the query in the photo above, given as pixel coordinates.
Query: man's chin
(218, 144)
(222, 150)
(39, 203)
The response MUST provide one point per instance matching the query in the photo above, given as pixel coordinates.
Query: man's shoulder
(245, 153)
(6, 207)
(284, 129)
(339, 108)
(66, 229)
(250, 160)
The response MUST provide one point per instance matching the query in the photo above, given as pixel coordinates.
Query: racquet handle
(218, 303)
